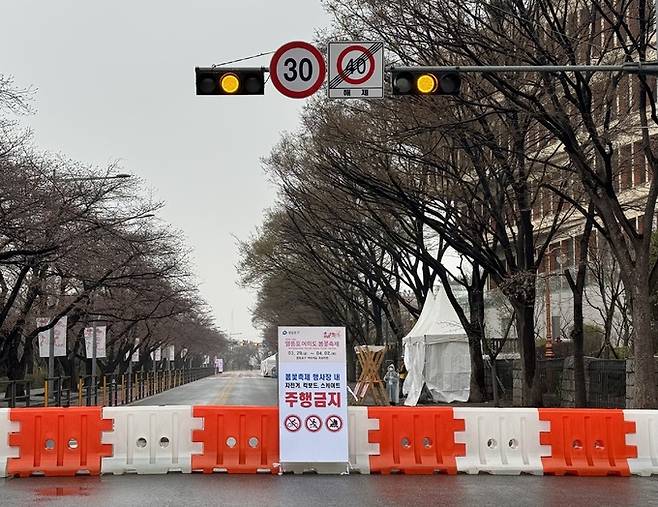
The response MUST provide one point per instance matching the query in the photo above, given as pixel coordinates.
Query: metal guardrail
(104, 390)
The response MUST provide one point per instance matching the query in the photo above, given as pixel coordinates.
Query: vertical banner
(313, 395)
(135, 356)
(101, 334)
(171, 355)
(156, 354)
(59, 332)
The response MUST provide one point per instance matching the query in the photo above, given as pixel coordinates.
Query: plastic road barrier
(360, 448)
(150, 440)
(415, 440)
(6, 451)
(645, 440)
(419, 440)
(501, 441)
(237, 439)
(58, 441)
(586, 442)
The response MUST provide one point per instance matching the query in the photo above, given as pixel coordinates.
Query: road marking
(226, 390)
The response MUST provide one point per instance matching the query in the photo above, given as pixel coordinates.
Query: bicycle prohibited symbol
(293, 423)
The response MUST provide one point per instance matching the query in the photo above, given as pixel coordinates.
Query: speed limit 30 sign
(297, 69)
(356, 70)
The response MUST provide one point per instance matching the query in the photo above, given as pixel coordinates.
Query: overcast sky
(115, 81)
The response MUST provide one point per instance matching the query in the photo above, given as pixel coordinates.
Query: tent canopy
(436, 353)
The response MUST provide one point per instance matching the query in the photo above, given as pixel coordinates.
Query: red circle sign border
(291, 417)
(371, 60)
(319, 420)
(277, 82)
(337, 417)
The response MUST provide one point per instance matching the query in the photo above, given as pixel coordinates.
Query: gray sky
(115, 81)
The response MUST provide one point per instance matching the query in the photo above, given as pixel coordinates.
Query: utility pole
(51, 359)
(93, 351)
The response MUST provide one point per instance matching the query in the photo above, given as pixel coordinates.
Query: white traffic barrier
(360, 449)
(150, 440)
(6, 452)
(501, 440)
(645, 440)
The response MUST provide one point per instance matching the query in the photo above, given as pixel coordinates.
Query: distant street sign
(101, 334)
(356, 70)
(297, 69)
(59, 337)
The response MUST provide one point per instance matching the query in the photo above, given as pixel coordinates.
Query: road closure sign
(312, 395)
(297, 69)
(356, 70)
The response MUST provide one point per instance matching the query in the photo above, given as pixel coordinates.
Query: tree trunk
(644, 395)
(475, 336)
(478, 392)
(530, 388)
(578, 349)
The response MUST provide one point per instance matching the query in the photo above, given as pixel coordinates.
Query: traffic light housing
(230, 81)
(422, 82)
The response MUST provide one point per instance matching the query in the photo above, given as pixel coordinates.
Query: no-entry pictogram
(356, 70)
(313, 423)
(297, 69)
(334, 423)
(293, 423)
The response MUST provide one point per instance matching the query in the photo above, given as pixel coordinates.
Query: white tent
(268, 365)
(436, 353)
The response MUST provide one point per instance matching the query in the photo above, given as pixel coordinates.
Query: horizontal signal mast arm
(629, 67)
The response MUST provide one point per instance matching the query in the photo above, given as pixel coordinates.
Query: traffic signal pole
(629, 67)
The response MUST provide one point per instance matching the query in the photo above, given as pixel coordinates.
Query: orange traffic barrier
(58, 441)
(586, 442)
(415, 440)
(237, 439)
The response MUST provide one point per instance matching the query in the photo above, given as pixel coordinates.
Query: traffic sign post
(297, 69)
(356, 70)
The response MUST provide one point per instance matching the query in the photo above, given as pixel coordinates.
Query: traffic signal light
(423, 82)
(230, 81)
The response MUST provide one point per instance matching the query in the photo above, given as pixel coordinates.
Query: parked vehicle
(268, 366)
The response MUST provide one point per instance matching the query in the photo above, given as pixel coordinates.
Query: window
(567, 253)
(624, 96)
(625, 167)
(639, 164)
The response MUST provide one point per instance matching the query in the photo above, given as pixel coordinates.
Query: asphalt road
(230, 388)
(266, 490)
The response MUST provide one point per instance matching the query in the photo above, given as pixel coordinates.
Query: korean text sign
(312, 395)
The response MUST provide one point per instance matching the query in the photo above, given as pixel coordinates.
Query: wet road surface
(230, 388)
(267, 490)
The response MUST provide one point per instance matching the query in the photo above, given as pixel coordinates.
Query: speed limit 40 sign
(356, 70)
(297, 69)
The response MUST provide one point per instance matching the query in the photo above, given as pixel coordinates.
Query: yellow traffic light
(424, 81)
(427, 83)
(229, 83)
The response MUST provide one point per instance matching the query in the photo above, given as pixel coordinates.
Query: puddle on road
(62, 491)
